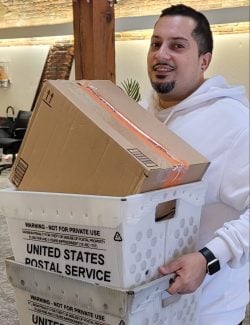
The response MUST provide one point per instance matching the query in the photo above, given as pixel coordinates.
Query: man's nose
(163, 53)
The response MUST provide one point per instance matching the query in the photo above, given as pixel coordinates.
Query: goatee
(163, 88)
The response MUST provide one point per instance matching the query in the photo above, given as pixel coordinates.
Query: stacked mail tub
(85, 259)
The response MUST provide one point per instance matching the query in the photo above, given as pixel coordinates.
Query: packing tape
(179, 166)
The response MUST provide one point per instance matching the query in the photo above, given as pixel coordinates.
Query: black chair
(11, 142)
(6, 126)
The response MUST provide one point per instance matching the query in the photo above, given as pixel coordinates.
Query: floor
(8, 313)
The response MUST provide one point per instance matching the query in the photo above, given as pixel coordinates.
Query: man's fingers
(169, 268)
(175, 286)
(190, 270)
(164, 269)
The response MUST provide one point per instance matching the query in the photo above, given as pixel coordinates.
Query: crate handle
(168, 299)
(165, 210)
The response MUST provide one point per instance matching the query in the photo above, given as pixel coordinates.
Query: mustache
(164, 64)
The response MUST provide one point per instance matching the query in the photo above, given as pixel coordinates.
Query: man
(213, 118)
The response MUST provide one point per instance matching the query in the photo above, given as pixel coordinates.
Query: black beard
(163, 88)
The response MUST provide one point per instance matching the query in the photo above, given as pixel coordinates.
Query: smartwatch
(213, 264)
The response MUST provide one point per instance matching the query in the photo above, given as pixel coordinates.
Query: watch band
(213, 264)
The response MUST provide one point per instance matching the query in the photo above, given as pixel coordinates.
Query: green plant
(132, 88)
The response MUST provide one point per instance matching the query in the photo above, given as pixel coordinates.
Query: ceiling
(23, 18)
(15, 13)
(20, 13)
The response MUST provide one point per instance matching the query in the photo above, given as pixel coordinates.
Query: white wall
(230, 59)
(25, 68)
(131, 62)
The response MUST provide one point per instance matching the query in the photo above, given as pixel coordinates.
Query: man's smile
(163, 67)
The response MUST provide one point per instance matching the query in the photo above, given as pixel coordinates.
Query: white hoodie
(215, 121)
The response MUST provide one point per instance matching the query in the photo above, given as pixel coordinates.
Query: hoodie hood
(210, 91)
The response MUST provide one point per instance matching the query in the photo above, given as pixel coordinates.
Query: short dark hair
(201, 33)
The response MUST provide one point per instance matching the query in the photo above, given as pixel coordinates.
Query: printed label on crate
(38, 310)
(79, 252)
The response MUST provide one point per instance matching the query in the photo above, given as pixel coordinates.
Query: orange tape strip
(179, 166)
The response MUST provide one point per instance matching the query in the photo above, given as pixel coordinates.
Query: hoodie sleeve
(231, 242)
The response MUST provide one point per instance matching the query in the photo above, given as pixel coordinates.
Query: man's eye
(178, 46)
(155, 45)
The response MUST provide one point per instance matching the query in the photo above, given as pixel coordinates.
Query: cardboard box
(111, 241)
(47, 298)
(89, 137)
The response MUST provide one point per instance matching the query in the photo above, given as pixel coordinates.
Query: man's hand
(190, 271)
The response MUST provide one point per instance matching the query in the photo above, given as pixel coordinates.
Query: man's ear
(205, 60)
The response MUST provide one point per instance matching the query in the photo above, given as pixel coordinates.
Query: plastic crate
(105, 240)
(46, 298)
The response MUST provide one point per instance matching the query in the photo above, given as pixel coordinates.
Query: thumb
(175, 286)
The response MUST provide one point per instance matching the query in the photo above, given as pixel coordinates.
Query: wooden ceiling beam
(94, 39)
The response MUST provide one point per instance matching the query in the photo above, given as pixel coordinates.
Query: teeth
(163, 69)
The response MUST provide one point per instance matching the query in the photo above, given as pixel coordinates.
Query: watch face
(213, 266)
